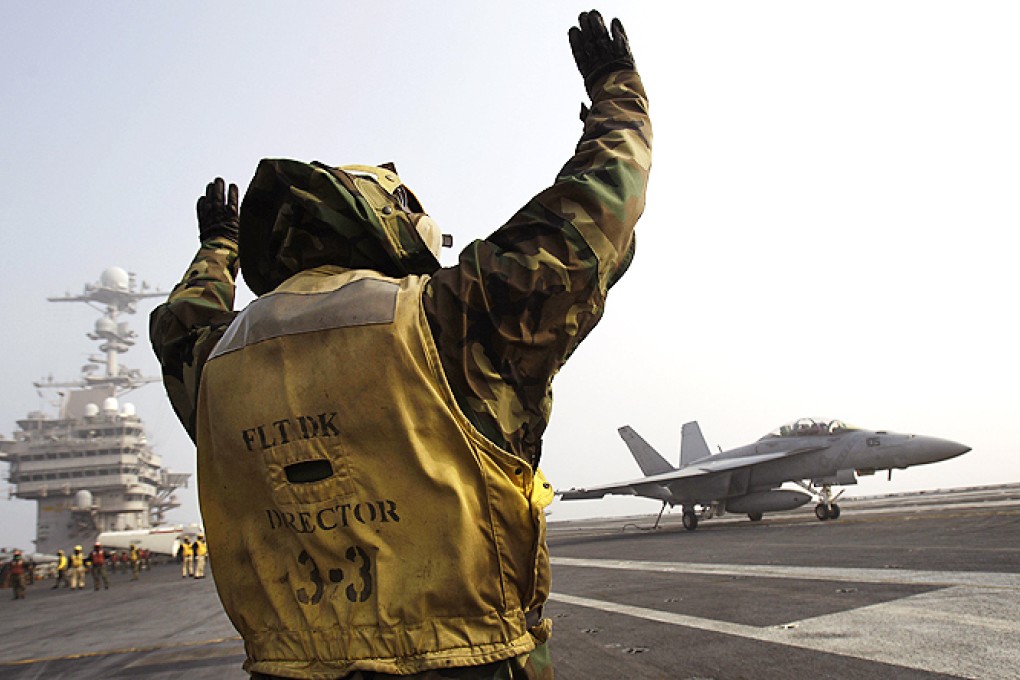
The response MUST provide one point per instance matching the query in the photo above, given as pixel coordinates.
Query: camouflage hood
(296, 216)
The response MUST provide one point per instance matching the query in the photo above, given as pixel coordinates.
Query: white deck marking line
(857, 575)
(891, 634)
(712, 625)
(968, 629)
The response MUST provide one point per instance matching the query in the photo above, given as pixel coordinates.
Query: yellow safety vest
(359, 521)
(186, 550)
(77, 560)
(61, 562)
(200, 549)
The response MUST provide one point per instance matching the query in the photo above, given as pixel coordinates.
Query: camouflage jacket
(515, 306)
(505, 318)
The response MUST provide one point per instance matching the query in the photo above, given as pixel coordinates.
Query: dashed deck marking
(968, 628)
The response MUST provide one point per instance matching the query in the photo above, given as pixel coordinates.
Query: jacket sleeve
(185, 329)
(508, 315)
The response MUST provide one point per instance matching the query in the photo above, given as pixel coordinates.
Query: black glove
(596, 52)
(217, 212)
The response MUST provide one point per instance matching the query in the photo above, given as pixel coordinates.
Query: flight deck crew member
(61, 570)
(77, 569)
(201, 550)
(136, 560)
(97, 559)
(369, 429)
(187, 562)
(17, 572)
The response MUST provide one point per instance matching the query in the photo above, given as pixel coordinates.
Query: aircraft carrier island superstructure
(90, 468)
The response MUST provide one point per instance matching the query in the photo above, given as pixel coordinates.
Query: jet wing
(636, 487)
(650, 486)
(639, 487)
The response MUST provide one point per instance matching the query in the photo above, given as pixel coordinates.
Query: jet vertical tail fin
(647, 458)
(692, 444)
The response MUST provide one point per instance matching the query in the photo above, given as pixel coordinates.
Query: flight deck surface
(910, 586)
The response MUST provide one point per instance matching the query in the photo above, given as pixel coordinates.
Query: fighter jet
(813, 453)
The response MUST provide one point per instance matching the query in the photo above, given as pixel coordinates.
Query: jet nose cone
(943, 449)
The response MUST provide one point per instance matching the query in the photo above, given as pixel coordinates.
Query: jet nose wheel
(690, 521)
(824, 512)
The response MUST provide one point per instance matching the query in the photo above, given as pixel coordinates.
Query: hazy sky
(830, 229)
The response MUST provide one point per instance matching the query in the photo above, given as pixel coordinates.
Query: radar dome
(129, 410)
(115, 278)
(106, 326)
(110, 405)
(91, 410)
(83, 499)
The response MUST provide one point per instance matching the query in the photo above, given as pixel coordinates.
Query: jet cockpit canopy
(805, 427)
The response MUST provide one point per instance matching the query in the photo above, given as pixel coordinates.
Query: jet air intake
(767, 501)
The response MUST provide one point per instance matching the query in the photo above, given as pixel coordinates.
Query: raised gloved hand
(217, 212)
(598, 51)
